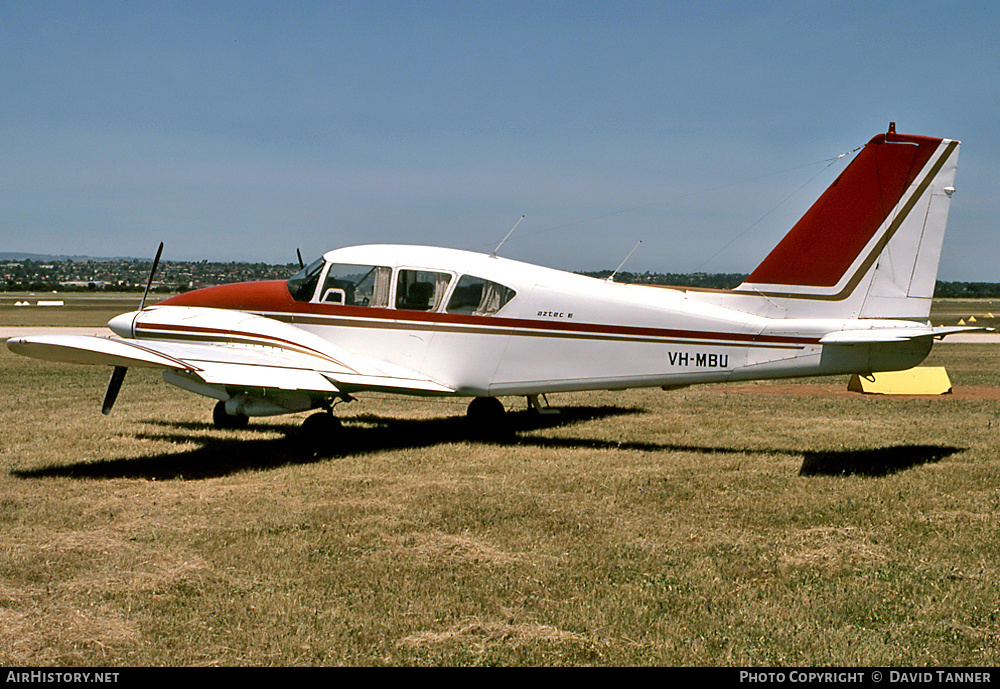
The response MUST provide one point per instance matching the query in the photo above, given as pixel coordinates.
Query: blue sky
(242, 131)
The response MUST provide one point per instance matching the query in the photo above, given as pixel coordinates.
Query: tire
(225, 421)
(321, 426)
(487, 417)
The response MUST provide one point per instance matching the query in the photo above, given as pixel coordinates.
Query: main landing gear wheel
(223, 420)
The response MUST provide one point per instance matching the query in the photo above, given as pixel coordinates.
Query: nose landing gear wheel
(223, 420)
(321, 422)
(320, 426)
(487, 416)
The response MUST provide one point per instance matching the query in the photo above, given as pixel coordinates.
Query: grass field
(790, 523)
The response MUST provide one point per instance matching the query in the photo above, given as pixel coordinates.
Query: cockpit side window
(479, 297)
(302, 285)
(421, 290)
(355, 285)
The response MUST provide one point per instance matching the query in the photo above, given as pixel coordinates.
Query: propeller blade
(114, 385)
(152, 272)
(302, 264)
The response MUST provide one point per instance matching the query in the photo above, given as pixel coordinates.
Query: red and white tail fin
(869, 247)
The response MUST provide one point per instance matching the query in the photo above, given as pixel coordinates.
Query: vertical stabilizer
(869, 246)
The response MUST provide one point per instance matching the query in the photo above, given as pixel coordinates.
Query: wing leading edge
(262, 354)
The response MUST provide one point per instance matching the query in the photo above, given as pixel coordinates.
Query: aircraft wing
(237, 360)
(878, 335)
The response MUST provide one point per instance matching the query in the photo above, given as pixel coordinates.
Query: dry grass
(707, 526)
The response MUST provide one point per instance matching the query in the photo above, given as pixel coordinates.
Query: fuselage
(487, 326)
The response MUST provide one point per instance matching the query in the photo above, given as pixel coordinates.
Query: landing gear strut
(539, 404)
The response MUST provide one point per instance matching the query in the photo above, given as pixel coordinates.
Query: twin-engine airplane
(847, 290)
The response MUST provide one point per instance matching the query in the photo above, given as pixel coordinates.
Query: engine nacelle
(272, 405)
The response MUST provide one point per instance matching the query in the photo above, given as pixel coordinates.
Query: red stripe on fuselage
(271, 299)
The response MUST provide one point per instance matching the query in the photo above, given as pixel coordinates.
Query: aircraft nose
(121, 325)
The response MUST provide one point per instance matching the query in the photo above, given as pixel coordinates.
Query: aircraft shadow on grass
(222, 456)
(876, 462)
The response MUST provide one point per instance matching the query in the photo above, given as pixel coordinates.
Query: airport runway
(978, 338)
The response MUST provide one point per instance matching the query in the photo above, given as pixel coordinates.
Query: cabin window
(479, 297)
(354, 285)
(302, 285)
(420, 290)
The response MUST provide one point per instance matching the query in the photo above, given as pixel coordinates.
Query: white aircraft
(847, 290)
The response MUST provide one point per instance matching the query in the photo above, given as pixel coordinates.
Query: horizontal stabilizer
(874, 335)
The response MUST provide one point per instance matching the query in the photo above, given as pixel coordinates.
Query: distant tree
(967, 290)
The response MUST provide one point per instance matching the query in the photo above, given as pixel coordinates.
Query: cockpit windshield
(346, 284)
(302, 285)
(356, 285)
